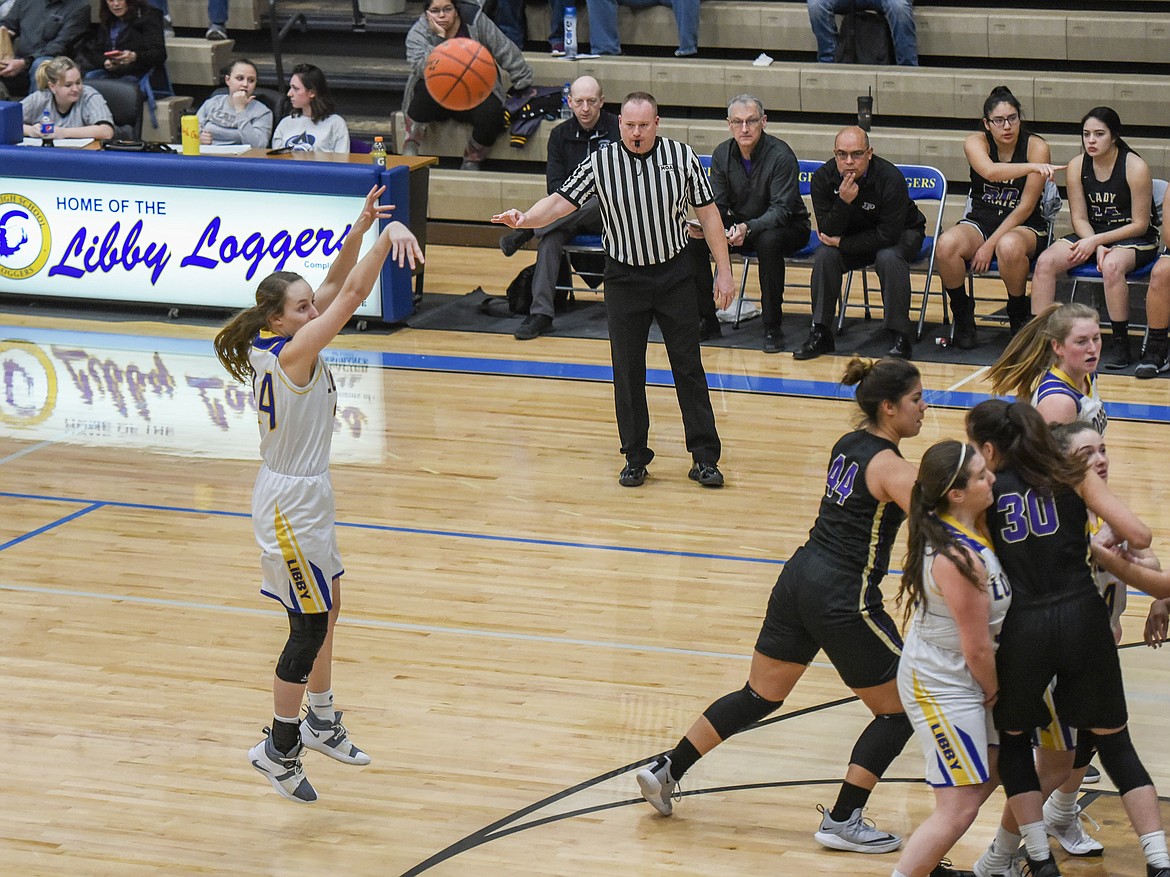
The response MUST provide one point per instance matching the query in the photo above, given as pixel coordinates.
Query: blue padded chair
(924, 183)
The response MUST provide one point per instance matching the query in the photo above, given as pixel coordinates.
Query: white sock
(897, 873)
(1154, 849)
(321, 703)
(1003, 849)
(1036, 840)
(1063, 806)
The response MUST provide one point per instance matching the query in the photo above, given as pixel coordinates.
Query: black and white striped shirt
(644, 198)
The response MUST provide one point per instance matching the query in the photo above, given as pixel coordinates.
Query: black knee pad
(305, 638)
(1086, 748)
(881, 742)
(734, 712)
(1121, 761)
(1017, 764)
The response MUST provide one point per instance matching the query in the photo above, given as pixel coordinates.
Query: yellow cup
(189, 125)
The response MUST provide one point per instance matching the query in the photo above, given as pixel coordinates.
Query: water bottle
(565, 111)
(47, 127)
(571, 33)
(189, 132)
(378, 152)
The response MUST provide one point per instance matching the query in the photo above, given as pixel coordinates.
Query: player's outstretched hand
(404, 248)
(1157, 622)
(371, 211)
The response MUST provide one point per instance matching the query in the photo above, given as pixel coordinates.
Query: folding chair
(924, 183)
(1088, 272)
(803, 256)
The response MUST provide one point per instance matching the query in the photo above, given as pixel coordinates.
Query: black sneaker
(1043, 868)
(965, 337)
(1153, 364)
(945, 869)
(534, 326)
(773, 340)
(1092, 775)
(1151, 871)
(819, 341)
(514, 240)
(709, 329)
(632, 476)
(1118, 356)
(707, 474)
(901, 348)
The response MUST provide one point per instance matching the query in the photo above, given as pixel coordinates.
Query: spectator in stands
(603, 24)
(1115, 224)
(1009, 169)
(571, 142)
(442, 20)
(40, 30)
(864, 217)
(77, 110)
(236, 117)
(1154, 360)
(164, 9)
(508, 16)
(822, 14)
(127, 42)
(755, 178)
(217, 16)
(313, 125)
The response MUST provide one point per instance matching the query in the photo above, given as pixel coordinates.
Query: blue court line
(381, 528)
(736, 383)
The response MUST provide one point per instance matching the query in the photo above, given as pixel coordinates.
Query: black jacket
(143, 36)
(879, 214)
(769, 197)
(569, 144)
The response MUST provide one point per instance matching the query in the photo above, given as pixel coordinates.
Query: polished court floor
(519, 632)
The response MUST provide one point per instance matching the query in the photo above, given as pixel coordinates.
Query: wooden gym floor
(519, 632)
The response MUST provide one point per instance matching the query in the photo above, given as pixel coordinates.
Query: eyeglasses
(745, 123)
(856, 155)
(441, 10)
(1004, 121)
(585, 101)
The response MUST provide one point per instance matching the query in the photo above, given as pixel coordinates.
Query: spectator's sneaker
(557, 50)
(283, 771)
(1117, 357)
(331, 738)
(657, 786)
(1041, 868)
(1153, 364)
(855, 834)
(514, 240)
(632, 476)
(983, 869)
(215, 33)
(773, 340)
(709, 329)
(534, 326)
(820, 340)
(168, 28)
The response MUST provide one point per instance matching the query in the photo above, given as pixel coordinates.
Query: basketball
(460, 74)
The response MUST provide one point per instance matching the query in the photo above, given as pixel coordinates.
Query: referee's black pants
(634, 297)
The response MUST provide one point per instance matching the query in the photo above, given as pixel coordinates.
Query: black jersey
(1042, 540)
(992, 201)
(1110, 203)
(853, 530)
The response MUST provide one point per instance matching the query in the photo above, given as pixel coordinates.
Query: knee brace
(734, 712)
(305, 638)
(1017, 764)
(1086, 747)
(1121, 761)
(881, 742)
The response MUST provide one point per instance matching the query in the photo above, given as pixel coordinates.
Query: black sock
(1157, 343)
(960, 303)
(683, 758)
(285, 735)
(850, 798)
(1120, 329)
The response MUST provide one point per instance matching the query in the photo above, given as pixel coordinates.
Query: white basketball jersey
(296, 423)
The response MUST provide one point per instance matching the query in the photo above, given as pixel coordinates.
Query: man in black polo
(590, 129)
(864, 217)
(756, 181)
(645, 185)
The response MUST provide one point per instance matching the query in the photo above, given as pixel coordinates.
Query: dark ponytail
(999, 95)
(1025, 443)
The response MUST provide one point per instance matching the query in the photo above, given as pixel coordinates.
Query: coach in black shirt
(864, 217)
(644, 185)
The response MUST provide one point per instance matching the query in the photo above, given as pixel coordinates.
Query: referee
(645, 185)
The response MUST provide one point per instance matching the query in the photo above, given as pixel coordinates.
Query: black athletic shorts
(816, 605)
(987, 230)
(1145, 251)
(1071, 640)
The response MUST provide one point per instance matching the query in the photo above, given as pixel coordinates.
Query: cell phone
(112, 54)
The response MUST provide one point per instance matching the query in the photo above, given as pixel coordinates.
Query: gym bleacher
(1059, 61)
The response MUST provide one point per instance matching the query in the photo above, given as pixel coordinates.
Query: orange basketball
(460, 74)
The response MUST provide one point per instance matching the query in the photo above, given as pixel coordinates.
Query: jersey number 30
(839, 484)
(1028, 513)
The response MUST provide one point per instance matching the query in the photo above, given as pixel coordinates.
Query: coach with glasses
(864, 217)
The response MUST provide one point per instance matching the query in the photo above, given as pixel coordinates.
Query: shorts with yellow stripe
(945, 705)
(293, 517)
(1057, 735)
